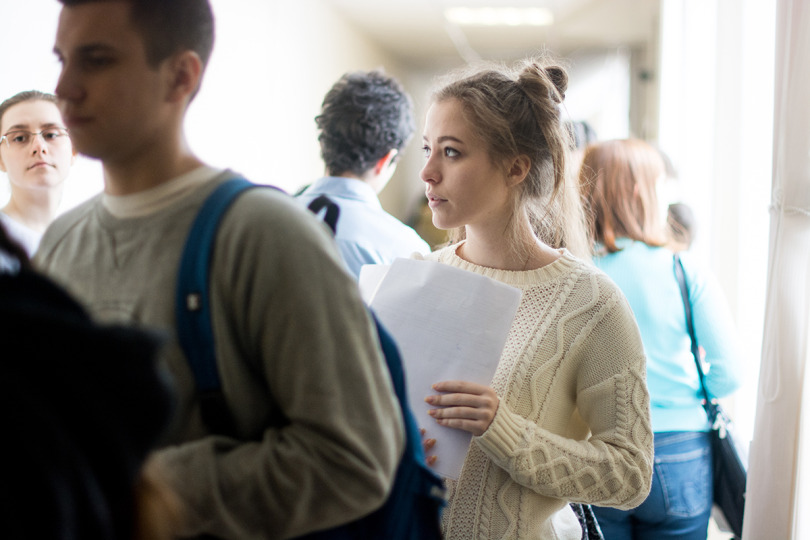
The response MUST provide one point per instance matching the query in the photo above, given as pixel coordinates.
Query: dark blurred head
(82, 406)
(681, 224)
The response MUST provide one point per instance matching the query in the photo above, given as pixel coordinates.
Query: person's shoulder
(692, 264)
(77, 213)
(267, 203)
(442, 254)
(65, 223)
(602, 284)
(265, 215)
(699, 275)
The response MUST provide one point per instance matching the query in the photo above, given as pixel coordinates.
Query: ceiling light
(499, 16)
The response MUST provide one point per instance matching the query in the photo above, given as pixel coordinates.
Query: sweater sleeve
(297, 318)
(612, 467)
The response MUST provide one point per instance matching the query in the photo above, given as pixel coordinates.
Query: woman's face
(45, 160)
(463, 185)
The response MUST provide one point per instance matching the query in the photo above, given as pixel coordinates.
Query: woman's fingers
(476, 427)
(464, 405)
(464, 387)
(464, 413)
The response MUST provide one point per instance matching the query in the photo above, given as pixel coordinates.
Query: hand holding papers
(449, 324)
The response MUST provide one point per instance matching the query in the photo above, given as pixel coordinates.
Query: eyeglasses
(21, 139)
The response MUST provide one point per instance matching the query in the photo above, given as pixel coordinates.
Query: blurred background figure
(582, 134)
(619, 180)
(36, 154)
(365, 122)
(83, 405)
(681, 226)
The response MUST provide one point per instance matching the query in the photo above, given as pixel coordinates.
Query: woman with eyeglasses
(36, 154)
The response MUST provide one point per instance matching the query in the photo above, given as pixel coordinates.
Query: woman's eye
(451, 152)
(426, 151)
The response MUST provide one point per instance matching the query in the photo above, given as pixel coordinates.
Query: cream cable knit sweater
(573, 424)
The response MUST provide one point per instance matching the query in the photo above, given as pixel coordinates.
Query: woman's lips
(433, 201)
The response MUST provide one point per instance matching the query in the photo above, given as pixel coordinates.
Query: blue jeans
(680, 502)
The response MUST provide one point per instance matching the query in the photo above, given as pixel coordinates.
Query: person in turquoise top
(366, 120)
(618, 180)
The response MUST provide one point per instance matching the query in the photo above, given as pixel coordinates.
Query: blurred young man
(318, 430)
(366, 120)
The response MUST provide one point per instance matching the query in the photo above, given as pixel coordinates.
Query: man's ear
(184, 71)
(518, 170)
(385, 161)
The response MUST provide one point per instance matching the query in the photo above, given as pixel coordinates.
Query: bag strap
(192, 305)
(680, 275)
(332, 210)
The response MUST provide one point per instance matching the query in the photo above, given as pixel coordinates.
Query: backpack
(412, 510)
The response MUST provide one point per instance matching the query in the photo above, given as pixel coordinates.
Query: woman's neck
(496, 250)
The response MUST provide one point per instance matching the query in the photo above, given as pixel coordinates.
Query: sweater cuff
(505, 433)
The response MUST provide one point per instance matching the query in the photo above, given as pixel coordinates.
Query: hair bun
(554, 80)
(559, 78)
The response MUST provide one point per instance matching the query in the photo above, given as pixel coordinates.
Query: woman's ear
(518, 170)
(184, 71)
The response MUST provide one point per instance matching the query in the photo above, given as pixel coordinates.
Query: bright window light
(499, 16)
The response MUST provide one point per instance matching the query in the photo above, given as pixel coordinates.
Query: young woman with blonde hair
(566, 417)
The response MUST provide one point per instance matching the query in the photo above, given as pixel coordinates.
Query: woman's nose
(428, 172)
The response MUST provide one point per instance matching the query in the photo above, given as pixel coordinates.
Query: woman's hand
(427, 444)
(464, 405)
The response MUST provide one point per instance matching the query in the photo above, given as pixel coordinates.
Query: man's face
(112, 101)
(45, 159)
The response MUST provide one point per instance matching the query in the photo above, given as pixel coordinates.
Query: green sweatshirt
(319, 427)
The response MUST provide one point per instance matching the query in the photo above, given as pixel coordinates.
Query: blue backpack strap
(192, 305)
(413, 509)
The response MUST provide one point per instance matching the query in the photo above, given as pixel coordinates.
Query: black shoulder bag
(729, 457)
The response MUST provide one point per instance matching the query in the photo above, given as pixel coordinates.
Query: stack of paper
(449, 324)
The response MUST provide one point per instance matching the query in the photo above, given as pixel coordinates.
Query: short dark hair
(363, 116)
(581, 132)
(169, 26)
(681, 223)
(21, 97)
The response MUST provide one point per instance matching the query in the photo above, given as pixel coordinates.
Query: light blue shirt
(646, 276)
(366, 234)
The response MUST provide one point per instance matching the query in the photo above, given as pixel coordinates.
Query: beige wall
(272, 64)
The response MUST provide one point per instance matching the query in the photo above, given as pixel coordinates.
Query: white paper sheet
(449, 324)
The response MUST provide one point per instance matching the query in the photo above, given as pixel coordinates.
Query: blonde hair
(516, 111)
(618, 180)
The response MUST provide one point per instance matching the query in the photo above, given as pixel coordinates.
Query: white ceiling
(416, 32)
